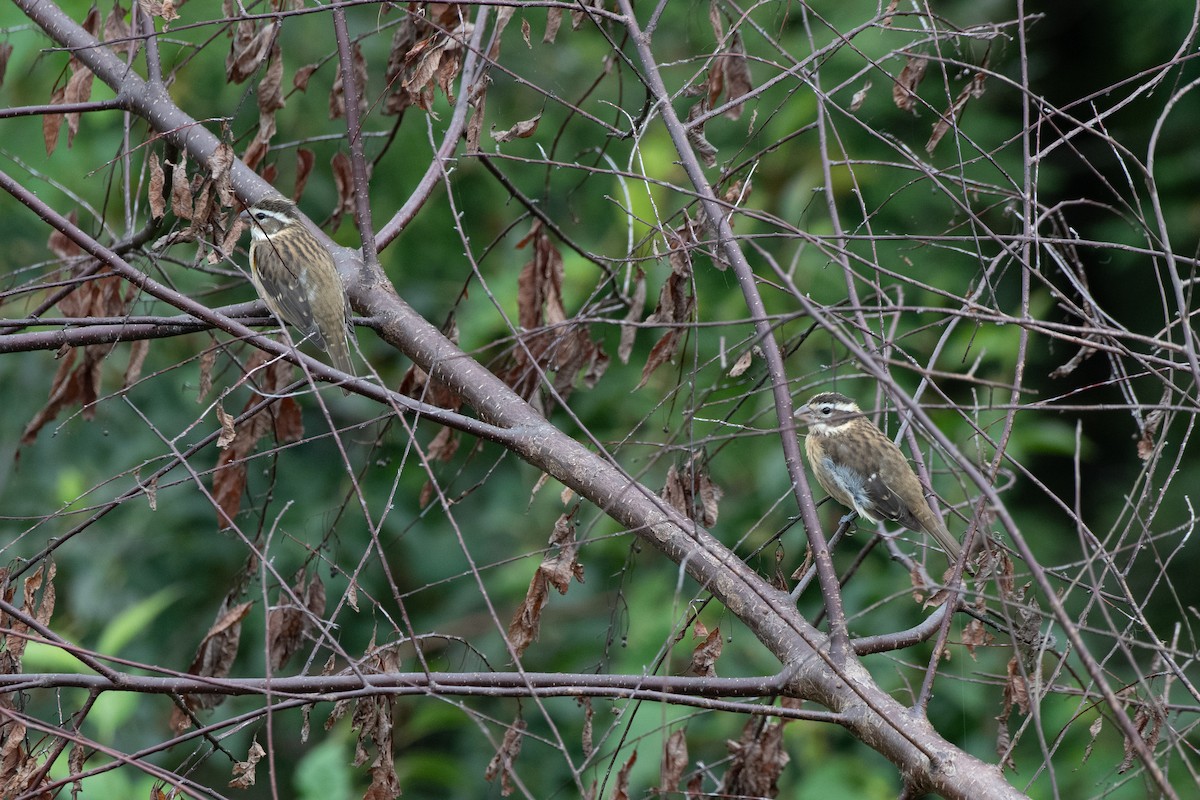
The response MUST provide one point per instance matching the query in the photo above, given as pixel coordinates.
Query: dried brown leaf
(304, 164)
(1148, 719)
(1093, 732)
(521, 130)
(181, 189)
(904, 89)
(343, 181)
(742, 364)
(244, 771)
(691, 491)
(250, 47)
(6, 51)
(663, 351)
(553, 22)
(215, 655)
(506, 755)
(287, 624)
(695, 133)
(337, 95)
(158, 182)
(220, 166)
(621, 785)
(138, 351)
(954, 113)
(270, 86)
(65, 247)
(79, 90)
(300, 79)
(860, 97)
(1016, 689)
(736, 70)
(228, 434)
(52, 123)
(675, 761)
(705, 655)
(637, 304)
(115, 26)
(163, 9)
(758, 759)
(976, 634)
(444, 445)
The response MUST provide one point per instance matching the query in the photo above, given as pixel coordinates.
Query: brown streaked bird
(864, 470)
(296, 277)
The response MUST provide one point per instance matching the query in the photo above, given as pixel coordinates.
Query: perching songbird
(864, 470)
(296, 277)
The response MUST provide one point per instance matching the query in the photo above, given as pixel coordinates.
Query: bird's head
(828, 413)
(268, 217)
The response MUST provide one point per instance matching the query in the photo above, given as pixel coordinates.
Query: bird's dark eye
(260, 215)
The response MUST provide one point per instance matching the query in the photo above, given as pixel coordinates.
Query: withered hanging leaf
(52, 123)
(975, 634)
(954, 113)
(304, 164)
(244, 771)
(695, 133)
(444, 445)
(228, 434)
(343, 181)
(1016, 689)
(889, 13)
(663, 351)
(1150, 426)
(163, 9)
(859, 98)
(522, 130)
(742, 364)
(758, 759)
(115, 26)
(91, 23)
(288, 624)
(249, 49)
(506, 755)
(557, 570)
(548, 340)
(157, 183)
(229, 476)
(904, 89)
(691, 492)
(674, 762)
(675, 301)
(705, 655)
(1148, 719)
(100, 295)
(580, 15)
(553, 22)
(1093, 732)
(621, 785)
(220, 168)
(270, 86)
(214, 658)
(736, 69)
(433, 62)
(181, 189)
(337, 95)
(637, 303)
(138, 350)
(62, 245)
(300, 79)
(6, 51)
